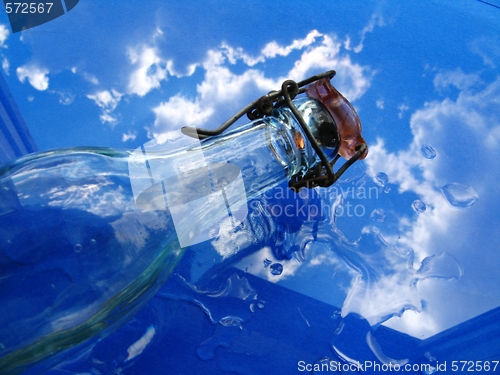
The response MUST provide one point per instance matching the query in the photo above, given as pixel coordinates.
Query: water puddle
(228, 308)
(378, 275)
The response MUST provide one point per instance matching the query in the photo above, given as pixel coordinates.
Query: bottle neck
(265, 152)
(214, 179)
(269, 151)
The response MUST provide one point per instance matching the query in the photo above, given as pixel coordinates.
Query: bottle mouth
(344, 115)
(322, 126)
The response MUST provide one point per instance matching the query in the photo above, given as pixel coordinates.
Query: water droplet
(460, 195)
(428, 369)
(440, 266)
(267, 262)
(431, 367)
(276, 269)
(340, 328)
(93, 242)
(419, 206)
(346, 362)
(381, 179)
(78, 248)
(428, 152)
(378, 215)
(231, 321)
(261, 304)
(429, 356)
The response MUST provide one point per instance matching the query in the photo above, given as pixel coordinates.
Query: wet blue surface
(287, 329)
(210, 317)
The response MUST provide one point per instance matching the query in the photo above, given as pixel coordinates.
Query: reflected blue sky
(423, 78)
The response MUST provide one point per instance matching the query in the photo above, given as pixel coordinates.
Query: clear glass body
(79, 254)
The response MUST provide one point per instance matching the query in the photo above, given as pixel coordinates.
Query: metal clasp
(321, 174)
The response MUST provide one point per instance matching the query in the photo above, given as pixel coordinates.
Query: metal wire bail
(322, 174)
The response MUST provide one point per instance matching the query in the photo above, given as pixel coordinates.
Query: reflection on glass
(78, 257)
(80, 253)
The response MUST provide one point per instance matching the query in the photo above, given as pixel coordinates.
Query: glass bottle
(87, 235)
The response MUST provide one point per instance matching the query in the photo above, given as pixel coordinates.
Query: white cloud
(87, 76)
(36, 76)
(99, 198)
(107, 101)
(107, 118)
(128, 137)
(487, 47)
(158, 32)
(222, 91)
(150, 70)
(402, 108)
(375, 20)
(270, 50)
(456, 78)
(4, 34)
(376, 300)
(273, 49)
(466, 136)
(352, 79)
(416, 324)
(380, 104)
(5, 65)
(220, 85)
(91, 78)
(175, 113)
